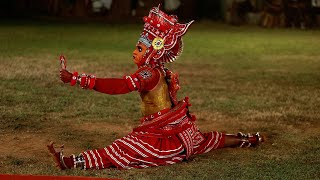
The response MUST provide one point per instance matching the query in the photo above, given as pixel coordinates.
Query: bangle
(74, 78)
(92, 81)
(83, 80)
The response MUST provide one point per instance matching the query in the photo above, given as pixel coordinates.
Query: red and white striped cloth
(167, 139)
(141, 150)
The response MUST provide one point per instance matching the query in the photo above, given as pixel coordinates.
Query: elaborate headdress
(162, 34)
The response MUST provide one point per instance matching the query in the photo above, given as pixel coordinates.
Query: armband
(132, 82)
(144, 79)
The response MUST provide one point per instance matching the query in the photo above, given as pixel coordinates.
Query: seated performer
(167, 133)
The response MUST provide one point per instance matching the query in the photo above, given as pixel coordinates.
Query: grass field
(238, 79)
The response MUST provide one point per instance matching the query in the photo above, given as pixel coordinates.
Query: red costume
(167, 133)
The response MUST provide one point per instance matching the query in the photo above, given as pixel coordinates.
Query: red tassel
(186, 99)
(193, 118)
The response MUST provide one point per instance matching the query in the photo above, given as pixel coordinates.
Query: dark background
(267, 13)
(120, 9)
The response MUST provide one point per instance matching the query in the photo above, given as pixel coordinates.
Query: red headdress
(162, 34)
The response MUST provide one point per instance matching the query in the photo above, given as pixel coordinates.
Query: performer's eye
(139, 49)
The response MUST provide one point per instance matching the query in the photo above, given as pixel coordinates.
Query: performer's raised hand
(85, 81)
(65, 76)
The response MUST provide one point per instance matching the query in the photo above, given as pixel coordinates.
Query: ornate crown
(165, 34)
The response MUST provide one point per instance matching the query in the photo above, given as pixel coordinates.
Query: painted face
(138, 54)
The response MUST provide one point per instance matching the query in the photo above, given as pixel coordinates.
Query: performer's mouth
(134, 59)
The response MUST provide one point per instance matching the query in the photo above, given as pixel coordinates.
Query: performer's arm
(143, 79)
(111, 86)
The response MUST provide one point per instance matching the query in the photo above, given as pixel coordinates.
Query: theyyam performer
(167, 133)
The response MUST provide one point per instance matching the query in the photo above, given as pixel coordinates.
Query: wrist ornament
(87, 81)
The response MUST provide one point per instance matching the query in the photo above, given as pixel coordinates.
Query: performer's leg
(73, 161)
(214, 140)
(242, 140)
(96, 159)
(231, 140)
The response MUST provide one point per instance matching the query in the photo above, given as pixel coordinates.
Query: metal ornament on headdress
(162, 34)
(157, 43)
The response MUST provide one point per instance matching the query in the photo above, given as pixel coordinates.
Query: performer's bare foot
(243, 140)
(58, 157)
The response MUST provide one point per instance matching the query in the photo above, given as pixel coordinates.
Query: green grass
(238, 79)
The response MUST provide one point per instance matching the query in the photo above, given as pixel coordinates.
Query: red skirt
(165, 139)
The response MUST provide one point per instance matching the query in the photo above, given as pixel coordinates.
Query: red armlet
(111, 86)
(148, 78)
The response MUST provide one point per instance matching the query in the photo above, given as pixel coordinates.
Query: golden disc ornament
(157, 43)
